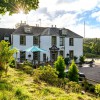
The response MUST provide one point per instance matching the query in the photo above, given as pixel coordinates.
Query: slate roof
(46, 31)
(6, 32)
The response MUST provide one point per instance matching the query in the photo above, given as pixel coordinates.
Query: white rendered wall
(29, 43)
(45, 43)
(77, 48)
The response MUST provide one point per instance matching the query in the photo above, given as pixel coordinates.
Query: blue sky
(70, 14)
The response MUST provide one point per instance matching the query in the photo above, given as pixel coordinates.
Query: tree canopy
(14, 6)
(91, 47)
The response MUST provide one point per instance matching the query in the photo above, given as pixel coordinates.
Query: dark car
(81, 75)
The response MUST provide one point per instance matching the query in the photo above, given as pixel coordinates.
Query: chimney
(55, 25)
(52, 26)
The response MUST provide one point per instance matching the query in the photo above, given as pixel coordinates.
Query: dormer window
(6, 38)
(64, 32)
(28, 29)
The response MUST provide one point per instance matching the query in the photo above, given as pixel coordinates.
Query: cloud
(62, 13)
(96, 15)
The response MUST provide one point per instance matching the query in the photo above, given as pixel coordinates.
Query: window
(22, 56)
(71, 41)
(44, 57)
(62, 53)
(22, 40)
(35, 40)
(61, 41)
(28, 29)
(54, 40)
(71, 54)
(35, 56)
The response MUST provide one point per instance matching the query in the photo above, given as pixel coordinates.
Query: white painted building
(54, 40)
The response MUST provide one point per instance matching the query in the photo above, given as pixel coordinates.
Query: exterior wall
(45, 43)
(29, 43)
(77, 48)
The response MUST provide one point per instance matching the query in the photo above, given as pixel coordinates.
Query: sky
(80, 16)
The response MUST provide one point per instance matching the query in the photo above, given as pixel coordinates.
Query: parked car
(81, 75)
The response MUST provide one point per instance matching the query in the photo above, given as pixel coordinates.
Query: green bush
(27, 63)
(73, 72)
(82, 59)
(97, 89)
(46, 73)
(60, 67)
(5, 86)
(21, 96)
(12, 63)
(75, 58)
(73, 87)
(61, 82)
(27, 69)
(67, 61)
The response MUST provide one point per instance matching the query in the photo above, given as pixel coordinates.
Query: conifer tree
(73, 72)
(60, 66)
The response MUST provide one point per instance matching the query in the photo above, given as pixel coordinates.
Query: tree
(60, 66)
(6, 55)
(73, 72)
(13, 6)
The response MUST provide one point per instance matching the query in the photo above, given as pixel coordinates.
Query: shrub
(82, 59)
(5, 86)
(60, 67)
(18, 92)
(47, 74)
(61, 82)
(21, 96)
(27, 63)
(27, 69)
(73, 87)
(12, 63)
(75, 58)
(67, 60)
(97, 89)
(73, 72)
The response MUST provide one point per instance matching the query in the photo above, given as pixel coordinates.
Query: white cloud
(77, 5)
(96, 15)
(53, 12)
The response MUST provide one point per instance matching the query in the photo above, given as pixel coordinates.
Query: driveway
(92, 73)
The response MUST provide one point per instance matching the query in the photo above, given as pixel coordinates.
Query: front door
(54, 55)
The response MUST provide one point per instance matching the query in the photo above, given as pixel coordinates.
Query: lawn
(18, 85)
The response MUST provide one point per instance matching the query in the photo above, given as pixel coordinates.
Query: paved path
(92, 73)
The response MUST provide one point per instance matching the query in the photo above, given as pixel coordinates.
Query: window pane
(22, 56)
(35, 40)
(22, 40)
(71, 41)
(71, 54)
(44, 57)
(53, 40)
(61, 41)
(35, 55)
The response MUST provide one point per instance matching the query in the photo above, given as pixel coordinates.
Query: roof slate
(46, 31)
(5, 32)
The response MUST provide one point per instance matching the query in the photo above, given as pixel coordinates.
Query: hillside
(18, 85)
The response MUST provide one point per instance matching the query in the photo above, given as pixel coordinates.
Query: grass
(18, 85)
